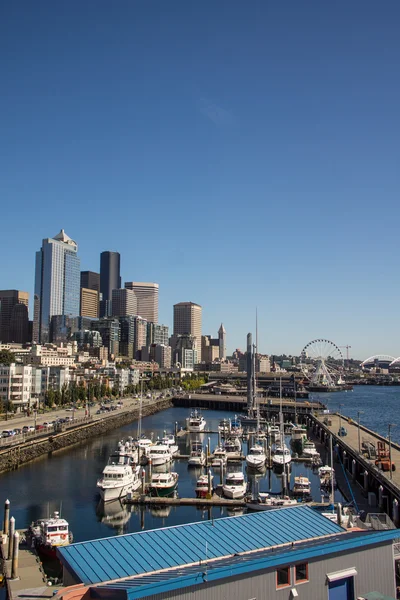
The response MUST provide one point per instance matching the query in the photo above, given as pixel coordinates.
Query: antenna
(256, 330)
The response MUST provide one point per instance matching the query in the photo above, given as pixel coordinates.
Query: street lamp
(390, 447)
(359, 412)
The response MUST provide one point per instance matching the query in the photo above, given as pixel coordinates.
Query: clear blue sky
(240, 154)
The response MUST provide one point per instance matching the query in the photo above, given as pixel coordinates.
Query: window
(301, 572)
(283, 577)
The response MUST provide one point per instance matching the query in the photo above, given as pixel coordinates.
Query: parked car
(69, 409)
(7, 433)
(28, 429)
(17, 431)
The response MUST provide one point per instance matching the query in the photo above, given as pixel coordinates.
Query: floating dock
(215, 500)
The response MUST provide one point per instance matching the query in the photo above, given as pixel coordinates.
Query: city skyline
(269, 133)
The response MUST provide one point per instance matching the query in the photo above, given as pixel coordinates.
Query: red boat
(49, 534)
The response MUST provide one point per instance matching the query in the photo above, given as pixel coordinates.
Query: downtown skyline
(247, 158)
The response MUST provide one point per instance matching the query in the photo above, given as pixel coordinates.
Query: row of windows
(283, 575)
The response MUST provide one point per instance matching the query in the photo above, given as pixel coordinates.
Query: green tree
(57, 397)
(49, 398)
(6, 357)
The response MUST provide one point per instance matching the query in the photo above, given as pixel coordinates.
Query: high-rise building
(187, 320)
(222, 342)
(89, 303)
(57, 283)
(124, 303)
(127, 341)
(110, 332)
(147, 297)
(90, 280)
(14, 320)
(110, 279)
(140, 336)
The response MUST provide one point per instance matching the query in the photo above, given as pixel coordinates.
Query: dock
(31, 582)
(215, 500)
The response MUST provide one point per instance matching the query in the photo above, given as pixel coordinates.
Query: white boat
(117, 481)
(169, 440)
(302, 486)
(219, 457)
(299, 434)
(267, 501)
(233, 447)
(326, 476)
(197, 457)
(274, 432)
(201, 488)
(256, 457)
(159, 454)
(163, 484)
(50, 534)
(309, 450)
(196, 422)
(223, 426)
(281, 457)
(234, 486)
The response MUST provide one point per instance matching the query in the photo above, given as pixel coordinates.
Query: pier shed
(291, 552)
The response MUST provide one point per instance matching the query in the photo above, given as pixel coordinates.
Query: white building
(16, 384)
(147, 299)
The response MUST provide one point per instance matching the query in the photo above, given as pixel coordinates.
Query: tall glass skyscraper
(110, 279)
(57, 283)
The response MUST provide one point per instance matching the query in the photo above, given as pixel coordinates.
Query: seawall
(12, 458)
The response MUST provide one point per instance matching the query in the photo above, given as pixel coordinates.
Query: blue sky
(240, 154)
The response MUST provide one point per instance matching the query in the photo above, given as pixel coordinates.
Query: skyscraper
(187, 320)
(147, 297)
(57, 283)
(222, 342)
(110, 279)
(89, 303)
(124, 303)
(14, 320)
(90, 280)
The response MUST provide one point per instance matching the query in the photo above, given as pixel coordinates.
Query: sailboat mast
(332, 471)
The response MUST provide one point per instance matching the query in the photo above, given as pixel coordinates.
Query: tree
(49, 397)
(6, 357)
(57, 397)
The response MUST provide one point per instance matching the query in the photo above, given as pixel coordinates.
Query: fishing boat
(267, 501)
(159, 454)
(202, 484)
(302, 487)
(256, 457)
(196, 422)
(219, 458)
(50, 534)
(309, 450)
(197, 456)
(117, 481)
(163, 484)
(234, 486)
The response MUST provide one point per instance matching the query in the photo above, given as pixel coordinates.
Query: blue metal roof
(234, 566)
(147, 551)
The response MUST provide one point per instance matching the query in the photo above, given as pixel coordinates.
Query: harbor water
(66, 480)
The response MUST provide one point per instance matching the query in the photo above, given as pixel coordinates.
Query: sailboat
(282, 456)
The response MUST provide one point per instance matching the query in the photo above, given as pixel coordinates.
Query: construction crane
(347, 353)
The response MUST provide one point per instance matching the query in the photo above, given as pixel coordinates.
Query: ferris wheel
(322, 362)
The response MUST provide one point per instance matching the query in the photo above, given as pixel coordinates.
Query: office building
(140, 336)
(157, 334)
(110, 279)
(109, 330)
(187, 321)
(89, 303)
(57, 283)
(127, 336)
(147, 297)
(90, 280)
(14, 320)
(124, 303)
(222, 342)
(209, 349)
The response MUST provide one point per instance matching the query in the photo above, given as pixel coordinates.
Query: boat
(219, 458)
(117, 481)
(302, 487)
(232, 447)
(197, 457)
(163, 484)
(169, 440)
(309, 450)
(236, 429)
(274, 432)
(196, 422)
(223, 426)
(267, 501)
(50, 534)
(201, 488)
(159, 454)
(256, 457)
(299, 434)
(281, 457)
(234, 486)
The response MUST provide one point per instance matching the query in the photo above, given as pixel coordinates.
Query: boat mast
(282, 436)
(332, 495)
(139, 425)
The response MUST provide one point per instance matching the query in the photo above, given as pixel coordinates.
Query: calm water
(67, 480)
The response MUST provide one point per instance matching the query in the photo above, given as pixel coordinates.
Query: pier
(214, 500)
(355, 451)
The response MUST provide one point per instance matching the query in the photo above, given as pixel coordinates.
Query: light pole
(359, 412)
(390, 447)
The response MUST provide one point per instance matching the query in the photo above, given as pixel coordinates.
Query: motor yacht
(159, 454)
(196, 422)
(234, 486)
(309, 450)
(219, 458)
(117, 481)
(163, 484)
(197, 456)
(256, 457)
(281, 457)
(302, 487)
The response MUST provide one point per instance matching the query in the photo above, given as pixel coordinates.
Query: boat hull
(162, 492)
(234, 492)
